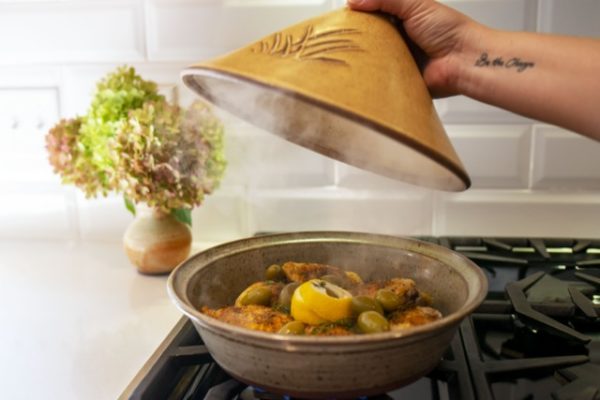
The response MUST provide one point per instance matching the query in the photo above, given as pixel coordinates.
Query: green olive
(275, 273)
(372, 322)
(388, 299)
(292, 328)
(285, 296)
(259, 295)
(361, 304)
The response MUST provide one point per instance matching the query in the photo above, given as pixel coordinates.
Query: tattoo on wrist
(516, 63)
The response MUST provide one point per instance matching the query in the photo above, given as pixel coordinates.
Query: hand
(547, 77)
(441, 32)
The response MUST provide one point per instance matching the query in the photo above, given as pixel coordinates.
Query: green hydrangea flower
(169, 158)
(61, 143)
(117, 94)
(133, 142)
(65, 156)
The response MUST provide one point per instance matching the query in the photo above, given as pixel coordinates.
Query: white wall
(528, 178)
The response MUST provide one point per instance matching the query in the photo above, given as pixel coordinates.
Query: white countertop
(77, 320)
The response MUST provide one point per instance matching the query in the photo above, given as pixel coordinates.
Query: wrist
(473, 42)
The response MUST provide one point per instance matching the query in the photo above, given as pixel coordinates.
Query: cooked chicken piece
(328, 330)
(302, 272)
(405, 288)
(275, 288)
(413, 317)
(259, 318)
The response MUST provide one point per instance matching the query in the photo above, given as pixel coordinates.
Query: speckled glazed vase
(345, 85)
(156, 242)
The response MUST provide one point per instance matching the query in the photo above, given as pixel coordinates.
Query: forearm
(548, 78)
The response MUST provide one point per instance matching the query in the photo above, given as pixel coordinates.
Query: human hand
(550, 78)
(441, 32)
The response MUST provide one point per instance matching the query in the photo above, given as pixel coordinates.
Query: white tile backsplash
(495, 156)
(514, 15)
(528, 179)
(25, 164)
(26, 114)
(565, 161)
(464, 110)
(29, 112)
(351, 177)
(573, 17)
(71, 31)
(29, 76)
(518, 213)
(222, 216)
(337, 209)
(194, 30)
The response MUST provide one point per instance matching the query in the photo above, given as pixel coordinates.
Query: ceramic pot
(156, 242)
(339, 367)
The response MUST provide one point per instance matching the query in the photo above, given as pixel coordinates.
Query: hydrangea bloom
(169, 158)
(65, 155)
(134, 142)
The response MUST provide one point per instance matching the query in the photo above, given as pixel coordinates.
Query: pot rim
(288, 341)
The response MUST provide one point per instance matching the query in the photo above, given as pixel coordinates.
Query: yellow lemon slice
(318, 301)
(301, 311)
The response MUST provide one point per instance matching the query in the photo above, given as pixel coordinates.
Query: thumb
(404, 9)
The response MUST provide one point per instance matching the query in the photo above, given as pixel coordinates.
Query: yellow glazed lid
(343, 84)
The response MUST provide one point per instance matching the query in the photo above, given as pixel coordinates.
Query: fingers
(402, 8)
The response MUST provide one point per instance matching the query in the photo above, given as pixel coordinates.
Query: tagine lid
(343, 84)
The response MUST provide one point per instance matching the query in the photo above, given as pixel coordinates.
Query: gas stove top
(536, 336)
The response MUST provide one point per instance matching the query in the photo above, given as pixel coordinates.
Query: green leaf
(129, 205)
(183, 215)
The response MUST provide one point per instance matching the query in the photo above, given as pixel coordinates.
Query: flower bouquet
(133, 142)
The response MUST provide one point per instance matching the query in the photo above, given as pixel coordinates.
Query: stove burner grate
(485, 371)
(582, 382)
(522, 308)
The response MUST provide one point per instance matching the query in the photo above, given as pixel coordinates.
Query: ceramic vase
(156, 242)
